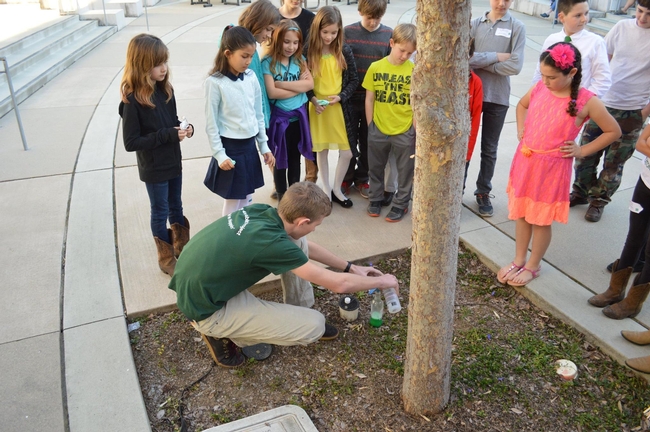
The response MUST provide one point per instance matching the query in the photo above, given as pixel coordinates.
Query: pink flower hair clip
(563, 56)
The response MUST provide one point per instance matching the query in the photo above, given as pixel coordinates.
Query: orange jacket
(475, 108)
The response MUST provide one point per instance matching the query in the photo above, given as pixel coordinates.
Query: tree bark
(441, 112)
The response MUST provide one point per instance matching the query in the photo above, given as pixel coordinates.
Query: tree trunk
(441, 112)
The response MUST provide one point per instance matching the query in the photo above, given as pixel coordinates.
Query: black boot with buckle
(224, 352)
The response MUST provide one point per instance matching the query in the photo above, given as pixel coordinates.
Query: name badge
(635, 207)
(503, 32)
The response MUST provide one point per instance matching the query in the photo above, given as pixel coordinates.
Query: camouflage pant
(599, 189)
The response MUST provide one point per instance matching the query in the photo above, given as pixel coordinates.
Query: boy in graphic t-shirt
(390, 122)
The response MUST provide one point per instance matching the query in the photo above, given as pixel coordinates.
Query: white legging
(341, 168)
(232, 205)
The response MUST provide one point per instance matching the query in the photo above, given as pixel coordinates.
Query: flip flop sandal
(534, 273)
(513, 266)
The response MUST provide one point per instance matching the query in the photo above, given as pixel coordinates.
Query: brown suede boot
(631, 305)
(637, 337)
(166, 258)
(641, 364)
(616, 290)
(181, 235)
(311, 171)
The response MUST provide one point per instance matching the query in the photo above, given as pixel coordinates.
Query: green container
(376, 319)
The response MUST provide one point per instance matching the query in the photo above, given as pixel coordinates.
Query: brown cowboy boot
(311, 171)
(641, 364)
(616, 290)
(631, 305)
(166, 258)
(637, 337)
(181, 235)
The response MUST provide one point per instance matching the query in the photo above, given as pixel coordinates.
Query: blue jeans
(493, 117)
(165, 199)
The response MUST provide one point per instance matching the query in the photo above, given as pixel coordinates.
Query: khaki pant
(247, 320)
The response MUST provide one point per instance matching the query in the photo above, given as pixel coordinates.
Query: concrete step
(43, 31)
(131, 8)
(601, 25)
(108, 17)
(594, 14)
(600, 28)
(29, 78)
(604, 24)
(40, 48)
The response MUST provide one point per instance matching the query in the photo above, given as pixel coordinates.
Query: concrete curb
(558, 294)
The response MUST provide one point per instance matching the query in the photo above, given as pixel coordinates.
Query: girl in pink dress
(549, 117)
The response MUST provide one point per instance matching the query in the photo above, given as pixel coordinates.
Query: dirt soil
(503, 372)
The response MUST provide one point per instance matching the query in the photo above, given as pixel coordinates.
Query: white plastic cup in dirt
(392, 301)
(184, 124)
(349, 308)
(566, 369)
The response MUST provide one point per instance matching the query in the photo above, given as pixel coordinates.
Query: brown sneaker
(224, 352)
(594, 213)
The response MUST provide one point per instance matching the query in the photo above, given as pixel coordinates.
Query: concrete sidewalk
(81, 255)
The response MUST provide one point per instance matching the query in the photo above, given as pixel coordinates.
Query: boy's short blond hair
(405, 33)
(304, 199)
(372, 9)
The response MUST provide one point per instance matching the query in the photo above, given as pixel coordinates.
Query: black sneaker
(388, 198)
(331, 333)
(374, 208)
(484, 204)
(396, 214)
(224, 352)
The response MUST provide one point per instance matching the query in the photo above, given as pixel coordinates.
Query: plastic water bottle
(392, 301)
(376, 310)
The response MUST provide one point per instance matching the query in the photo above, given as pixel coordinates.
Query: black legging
(637, 235)
(290, 175)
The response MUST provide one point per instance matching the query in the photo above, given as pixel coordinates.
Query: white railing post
(104, 8)
(15, 103)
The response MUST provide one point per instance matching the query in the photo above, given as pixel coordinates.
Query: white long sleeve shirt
(233, 109)
(596, 75)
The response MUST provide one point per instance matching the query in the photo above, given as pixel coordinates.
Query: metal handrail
(13, 100)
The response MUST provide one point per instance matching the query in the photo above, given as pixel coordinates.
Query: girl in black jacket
(151, 128)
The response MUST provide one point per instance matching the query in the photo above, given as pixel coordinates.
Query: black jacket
(348, 86)
(151, 134)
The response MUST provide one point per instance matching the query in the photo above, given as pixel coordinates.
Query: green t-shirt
(230, 255)
(392, 86)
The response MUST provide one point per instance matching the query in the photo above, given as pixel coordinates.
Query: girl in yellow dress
(335, 79)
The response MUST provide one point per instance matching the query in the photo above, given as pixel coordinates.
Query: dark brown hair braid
(546, 58)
